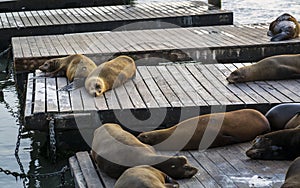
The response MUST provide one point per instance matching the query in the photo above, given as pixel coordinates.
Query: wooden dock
(167, 94)
(217, 167)
(217, 44)
(103, 18)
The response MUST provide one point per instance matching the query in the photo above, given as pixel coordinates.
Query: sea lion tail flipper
(77, 83)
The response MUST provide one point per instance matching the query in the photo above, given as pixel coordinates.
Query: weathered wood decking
(235, 43)
(217, 167)
(87, 19)
(162, 94)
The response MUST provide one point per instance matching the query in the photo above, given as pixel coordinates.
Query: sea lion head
(237, 76)
(263, 148)
(149, 137)
(94, 86)
(50, 65)
(178, 167)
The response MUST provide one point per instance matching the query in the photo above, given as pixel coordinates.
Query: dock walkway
(217, 167)
(164, 95)
(218, 44)
(103, 18)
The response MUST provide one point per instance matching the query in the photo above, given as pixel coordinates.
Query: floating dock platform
(217, 44)
(103, 18)
(217, 167)
(163, 94)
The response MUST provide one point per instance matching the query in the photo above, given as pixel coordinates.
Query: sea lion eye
(97, 86)
(173, 166)
(84, 68)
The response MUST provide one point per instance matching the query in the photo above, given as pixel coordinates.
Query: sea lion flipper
(77, 83)
(279, 37)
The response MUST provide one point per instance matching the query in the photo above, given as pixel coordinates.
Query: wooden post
(216, 3)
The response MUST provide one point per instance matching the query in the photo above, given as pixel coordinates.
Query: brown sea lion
(145, 176)
(294, 122)
(271, 68)
(292, 177)
(110, 74)
(280, 115)
(221, 129)
(277, 145)
(72, 66)
(283, 28)
(114, 150)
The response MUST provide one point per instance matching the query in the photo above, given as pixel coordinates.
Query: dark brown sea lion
(222, 129)
(280, 115)
(114, 150)
(283, 28)
(278, 145)
(145, 176)
(292, 177)
(271, 68)
(72, 66)
(110, 74)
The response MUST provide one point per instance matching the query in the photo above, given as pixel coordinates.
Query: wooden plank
(40, 95)
(11, 20)
(49, 46)
(218, 85)
(31, 18)
(76, 100)
(18, 20)
(208, 86)
(112, 100)
(29, 96)
(77, 173)
(25, 47)
(88, 170)
(69, 16)
(38, 19)
(60, 16)
(51, 95)
(17, 49)
(100, 103)
(41, 46)
(180, 93)
(34, 48)
(144, 91)
(156, 92)
(63, 96)
(87, 99)
(73, 44)
(68, 48)
(164, 87)
(208, 97)
(59, 47)
(123, 97)
(44, 17)
(134, 95)
(4, 20)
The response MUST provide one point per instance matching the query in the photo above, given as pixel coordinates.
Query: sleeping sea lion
(292, 177)
(145, 176)
(270, 68)
(294, 122)
(110, 74)
(75, 66)
(283, 28)
(280, 115)
(278, 145)
(235, 127)
(114, 150)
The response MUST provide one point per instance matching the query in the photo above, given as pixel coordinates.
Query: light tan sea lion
(114, 150)
(283, 28)
(72, 66)
(145, 176)
(110, 74)
(236, 126)
(292, 177)
(272, 68)
(277, 145)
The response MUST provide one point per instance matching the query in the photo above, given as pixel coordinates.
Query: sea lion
(271, 68)
(294, 122)
(280, 115)
(114, 150)
(110, 74)
(221, 128)
(292, 177)
(74, 67)
(145, 176)
(277, 145)
(283, 28)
